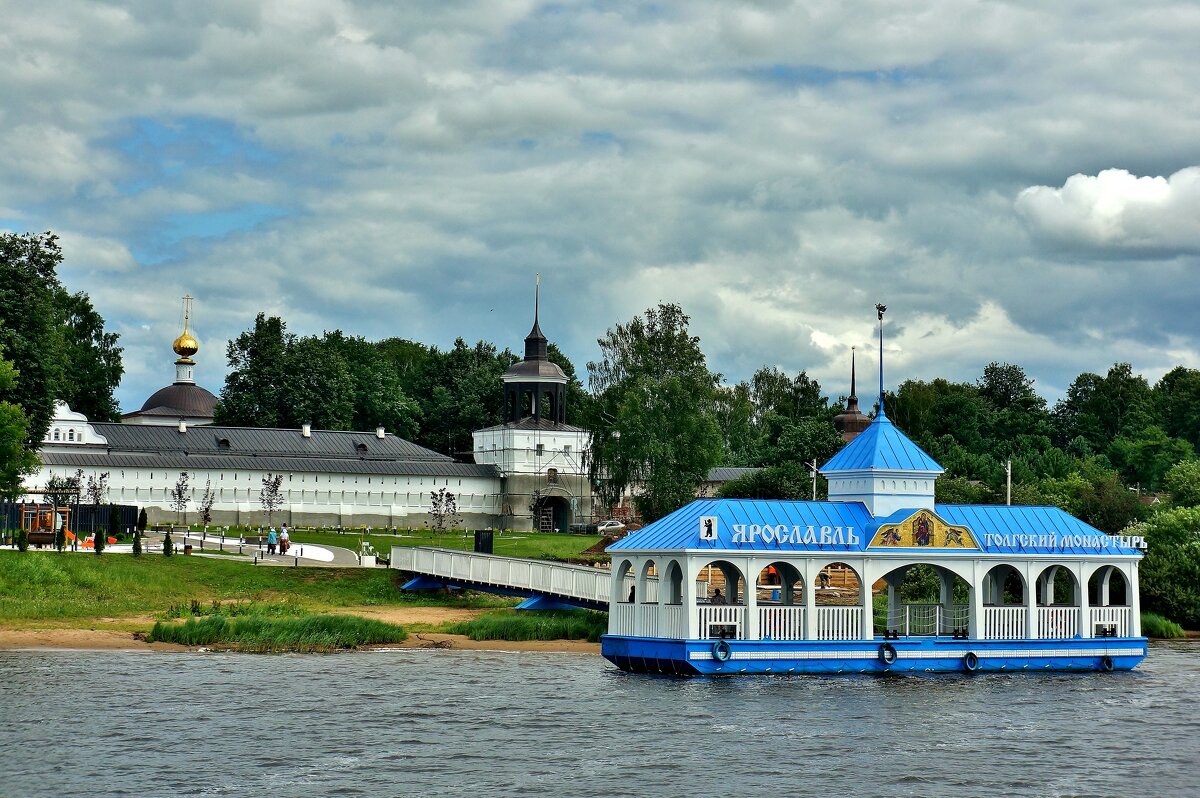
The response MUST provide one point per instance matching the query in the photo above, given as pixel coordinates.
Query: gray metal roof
(287, 443)
(99, 456)
(534, 423)
(726, 473)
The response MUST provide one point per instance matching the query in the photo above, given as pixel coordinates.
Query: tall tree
(653, 425)
(378, 397)
(257, 380)
(17, 459)
(1177, 404)
(462, 391)
(92, 359)
(57, 337)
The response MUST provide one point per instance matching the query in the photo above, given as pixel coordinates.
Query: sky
(1017, 182)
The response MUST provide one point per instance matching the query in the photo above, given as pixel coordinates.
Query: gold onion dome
(185, 345)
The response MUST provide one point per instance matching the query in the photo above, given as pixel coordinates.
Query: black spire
(535, 342)
(851, 422)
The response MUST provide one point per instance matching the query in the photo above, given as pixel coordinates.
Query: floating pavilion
(727, 586)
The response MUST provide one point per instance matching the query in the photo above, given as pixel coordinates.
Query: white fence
(839, 623)
(722, 620)
(672, 622)
(1113, 616)
(572, 581)
(1004, 623)
(1056, 623)
(781, 623)
(621, 619)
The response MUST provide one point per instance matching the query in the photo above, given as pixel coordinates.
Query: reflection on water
(498, 724)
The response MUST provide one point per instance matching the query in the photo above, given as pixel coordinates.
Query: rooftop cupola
(535, 387)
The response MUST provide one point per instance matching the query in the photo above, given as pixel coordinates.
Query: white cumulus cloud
(1118, 209)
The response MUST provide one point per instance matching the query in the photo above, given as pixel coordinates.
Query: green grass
(1158, 626)
(263, 634)
(40, 586)
(534, 625)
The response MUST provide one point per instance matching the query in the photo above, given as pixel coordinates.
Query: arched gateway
(819, 587)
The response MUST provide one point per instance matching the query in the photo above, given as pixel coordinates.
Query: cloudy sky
(1017, 182)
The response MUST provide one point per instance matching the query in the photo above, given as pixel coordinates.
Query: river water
(423, 722)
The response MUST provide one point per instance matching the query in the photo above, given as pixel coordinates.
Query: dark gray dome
(187, 399)
(535, 368)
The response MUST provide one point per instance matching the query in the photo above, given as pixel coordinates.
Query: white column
(891, 600)
(864, 595)
(1085, 611)
(1031, 619)
(691, 623)
(752, 625)
(975, 618)
(1135, 599)
(810, 600)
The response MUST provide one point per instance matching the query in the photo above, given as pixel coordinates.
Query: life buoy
(971, 661)
(887, 653)
(721, 651)
(1106, 664)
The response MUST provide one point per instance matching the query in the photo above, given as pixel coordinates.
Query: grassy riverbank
(67, 589)
(266, 634)
(534, 625)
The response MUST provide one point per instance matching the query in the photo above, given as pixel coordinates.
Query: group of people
(282, 541)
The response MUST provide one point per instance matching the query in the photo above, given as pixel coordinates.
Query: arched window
(56, 435)
(70, 434)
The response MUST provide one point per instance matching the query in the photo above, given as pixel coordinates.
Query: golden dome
(185, 345)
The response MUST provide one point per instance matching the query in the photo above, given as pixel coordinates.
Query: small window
(567, 449)
(223, 443)
(552, 475)
(56, 437)
(70, 434)
(362, 448)
(541, 449)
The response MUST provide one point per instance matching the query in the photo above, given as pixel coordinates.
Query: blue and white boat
(756, 586)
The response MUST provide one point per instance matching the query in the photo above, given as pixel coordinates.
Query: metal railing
(536, 576)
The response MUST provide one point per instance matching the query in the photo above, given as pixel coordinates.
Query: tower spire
(881, 309)
(537, 294)
(853, 392)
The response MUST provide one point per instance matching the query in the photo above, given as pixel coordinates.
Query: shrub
(22, 539)
(1157, 626)
(168, 546)
(263, 634)
(137, 543)
(535, 625)
(142, 520)
(98, 540)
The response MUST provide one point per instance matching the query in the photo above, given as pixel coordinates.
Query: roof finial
(537, 290)
(881, 309)
(853, 392)
(186, 345)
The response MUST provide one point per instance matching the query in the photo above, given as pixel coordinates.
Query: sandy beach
(97, 637)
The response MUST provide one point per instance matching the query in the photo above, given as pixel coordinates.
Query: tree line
(1114, 451)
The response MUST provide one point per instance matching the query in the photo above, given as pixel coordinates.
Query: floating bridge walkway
(545, 585)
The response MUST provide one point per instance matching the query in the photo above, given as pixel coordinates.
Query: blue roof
(881, 446)
(681, 529)
(759, 525)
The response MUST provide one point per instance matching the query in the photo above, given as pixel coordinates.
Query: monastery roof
(882, 447)
(97, 456)
(260, 441)
(748, 526)
(727, 473)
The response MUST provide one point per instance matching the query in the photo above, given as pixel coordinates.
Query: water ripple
(405, 722)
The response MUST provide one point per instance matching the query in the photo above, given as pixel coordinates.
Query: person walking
(272, 541)
(285, 542)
